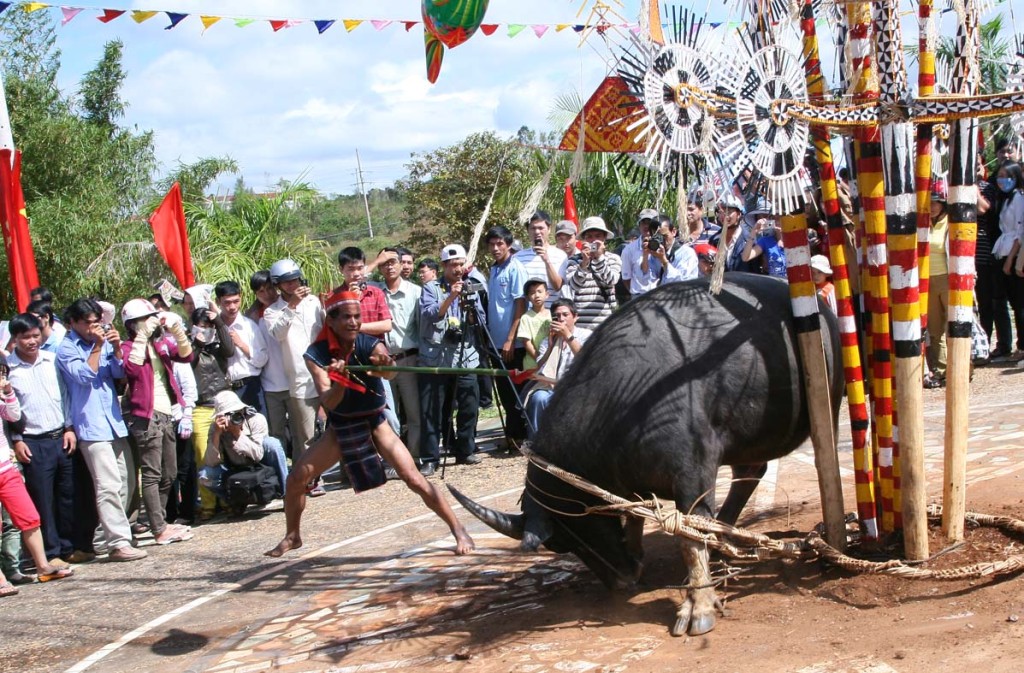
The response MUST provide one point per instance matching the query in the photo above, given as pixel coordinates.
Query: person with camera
(157, 342)
(294, 320)
(543, 260)
(672, 261)
(354, 403)
(733, 236)
(554, 357)
(239, 439)
(352, 264)
(591, 275)
(636, 256)
(246, 365)
(90, 362)
(450, 312)
(765, 242)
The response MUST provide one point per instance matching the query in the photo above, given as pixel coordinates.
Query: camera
(655, 243)
(303, 282)
(594, 246)
(106, 327)
(538, 242)
(471, 287)
(237, 418)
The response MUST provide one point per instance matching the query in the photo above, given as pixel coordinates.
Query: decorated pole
(963, 231)
(901, 229)
(868, 151)
(923, 165)
(853, 373)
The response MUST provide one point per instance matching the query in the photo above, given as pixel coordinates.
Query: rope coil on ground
(738, 543)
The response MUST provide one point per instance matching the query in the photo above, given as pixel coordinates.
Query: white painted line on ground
(110, 648)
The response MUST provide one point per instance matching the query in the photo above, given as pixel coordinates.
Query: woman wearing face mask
(212, 346)
(1011, 227)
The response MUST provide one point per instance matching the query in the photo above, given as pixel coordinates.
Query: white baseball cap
(453, 251)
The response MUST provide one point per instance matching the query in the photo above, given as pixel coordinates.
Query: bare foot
(463, 543)
(287, 543)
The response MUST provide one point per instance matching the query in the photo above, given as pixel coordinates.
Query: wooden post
(954, 489)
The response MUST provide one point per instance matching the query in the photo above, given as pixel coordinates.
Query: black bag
(256, 485)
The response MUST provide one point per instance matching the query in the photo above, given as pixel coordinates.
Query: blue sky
(294, 102)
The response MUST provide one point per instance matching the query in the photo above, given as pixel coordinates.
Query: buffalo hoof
(688, 623)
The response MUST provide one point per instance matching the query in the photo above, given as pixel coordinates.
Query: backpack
(255, 485)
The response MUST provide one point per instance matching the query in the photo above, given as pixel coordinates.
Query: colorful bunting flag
(285, 23)
(579, 28)
(139, 15)
(409, 25)
(539, 29)
(242, 23)
(488, 28)
(35, 6)
(380, 24)
(515, 28)
(351, 24)
(110, 14)
(209, 21)
(562, 26)
(4, 6)
(323, 24)
(175, 18)
(68, 14)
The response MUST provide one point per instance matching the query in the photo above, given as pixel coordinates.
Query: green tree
(100, 89)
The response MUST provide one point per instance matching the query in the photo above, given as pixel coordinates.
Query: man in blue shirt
(505, 306)
(89, 360)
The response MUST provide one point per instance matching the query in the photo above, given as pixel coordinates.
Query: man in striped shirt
(592, 275)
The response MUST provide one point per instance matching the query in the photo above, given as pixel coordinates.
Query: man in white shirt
(543, 260)
(295, 320)
(636, 257)
(245, 366)
(273, 379)
(403, 299)
(46, 440)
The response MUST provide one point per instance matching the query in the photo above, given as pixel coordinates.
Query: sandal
(178, 534)
(8, 589)
(56, 574)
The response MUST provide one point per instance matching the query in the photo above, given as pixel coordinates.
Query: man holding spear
(355, 403)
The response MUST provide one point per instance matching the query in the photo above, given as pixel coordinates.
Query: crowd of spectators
(116, 434)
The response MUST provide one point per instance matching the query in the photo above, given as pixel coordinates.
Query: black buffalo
(667, 390)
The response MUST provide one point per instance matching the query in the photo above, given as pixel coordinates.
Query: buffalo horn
(511, 525)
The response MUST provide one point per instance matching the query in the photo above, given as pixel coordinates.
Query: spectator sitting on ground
(555, 356)
(52, 331)
(673, 262)
(539, 257)
(533, 328)
(15, 500)
(239, 438)
(593, 273)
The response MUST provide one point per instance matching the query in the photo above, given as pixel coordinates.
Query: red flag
(21, 259)
(570, 206)
(171, 236)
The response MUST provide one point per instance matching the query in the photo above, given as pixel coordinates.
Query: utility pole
(362, 190)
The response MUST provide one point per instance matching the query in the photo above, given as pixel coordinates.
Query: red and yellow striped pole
(868, 149)
(923, 164)
(863, 465)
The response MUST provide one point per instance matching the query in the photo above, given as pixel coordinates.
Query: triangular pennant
(209, 21)
(562, 26)
(579, 28)
(138, 15)
(176, 18)
(4, 6)
(635, 30)
(409, 25)
(278, 24)
(110, 14)
(69, 13)
(539, 29)
(515, 28)
(351, 24)
(35, 6)
(323, 24)
(380, 24)
(488, 28)
(602, 29)
(242, 23)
